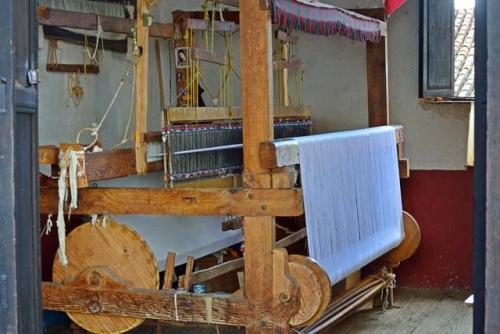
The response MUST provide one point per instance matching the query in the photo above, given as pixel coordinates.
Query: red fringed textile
(292, 16)
(392, 5)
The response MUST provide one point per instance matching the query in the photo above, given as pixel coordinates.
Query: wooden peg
(169, 271)
(189, 272)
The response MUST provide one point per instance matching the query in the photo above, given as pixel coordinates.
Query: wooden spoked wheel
(118, 249)
(314, 289)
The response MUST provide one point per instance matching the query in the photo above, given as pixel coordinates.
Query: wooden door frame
(486, 171)
(20, 304)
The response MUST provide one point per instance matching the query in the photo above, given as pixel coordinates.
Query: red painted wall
(442, 203)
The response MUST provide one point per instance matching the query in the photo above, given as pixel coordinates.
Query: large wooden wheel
(314, 289)
(118, 249)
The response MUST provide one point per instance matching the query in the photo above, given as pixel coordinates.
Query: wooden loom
(107, 295)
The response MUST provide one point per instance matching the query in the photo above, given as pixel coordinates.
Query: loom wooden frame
(270, 293)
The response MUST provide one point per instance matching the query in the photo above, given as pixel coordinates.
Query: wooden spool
(315, 289)
(118, 249)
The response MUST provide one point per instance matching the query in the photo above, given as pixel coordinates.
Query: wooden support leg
(189, 272)
(169, 271)
(141, 87)
(378, 109)
(256, 70)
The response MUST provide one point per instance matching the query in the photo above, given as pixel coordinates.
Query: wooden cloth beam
(181, 202)
(285, 152)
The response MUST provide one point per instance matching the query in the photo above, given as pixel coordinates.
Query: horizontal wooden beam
(220, 26)
(101, 165)
(73, 68)
(114, 164)
(292, 238)
(153, 304)
(48, 155)
(207, 114)
(232, 3)
(288, 64)
(279, 153)
(204, 55)
(69, 19)
(218, 270)
(285, 152)
(65, 35)
(229, 266)
(285, 37)
(182, 202)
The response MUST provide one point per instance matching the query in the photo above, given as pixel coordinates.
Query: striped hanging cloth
(392, 5)
(325, 20)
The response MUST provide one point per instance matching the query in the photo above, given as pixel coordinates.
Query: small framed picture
(182, 57)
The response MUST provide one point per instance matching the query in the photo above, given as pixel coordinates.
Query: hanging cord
(94, 129)
(48, 226)
(93, 56)
(206, 17)
(52, 52)
(74, 90)
(125, 138)
(213, 28)
(115, 96)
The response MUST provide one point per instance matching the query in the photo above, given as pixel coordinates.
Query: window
(447, 48)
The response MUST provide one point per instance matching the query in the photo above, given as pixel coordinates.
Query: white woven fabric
(352, 197)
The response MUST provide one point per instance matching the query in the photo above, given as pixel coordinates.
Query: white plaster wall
(58, 121)
(436, 136)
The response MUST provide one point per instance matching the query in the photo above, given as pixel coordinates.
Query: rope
(208, 307)
(93, 56)
(48, 226)
(130, 113)
(175, 306)
(94, 130)
(68, 164)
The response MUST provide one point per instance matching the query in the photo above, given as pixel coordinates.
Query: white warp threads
(352, 197)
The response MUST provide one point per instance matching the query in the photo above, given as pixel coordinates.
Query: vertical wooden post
(256, 71)
(286, 57)
(376, 66)
(180, 19)
(141, 86)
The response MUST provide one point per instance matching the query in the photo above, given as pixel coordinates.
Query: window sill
(443, 100)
